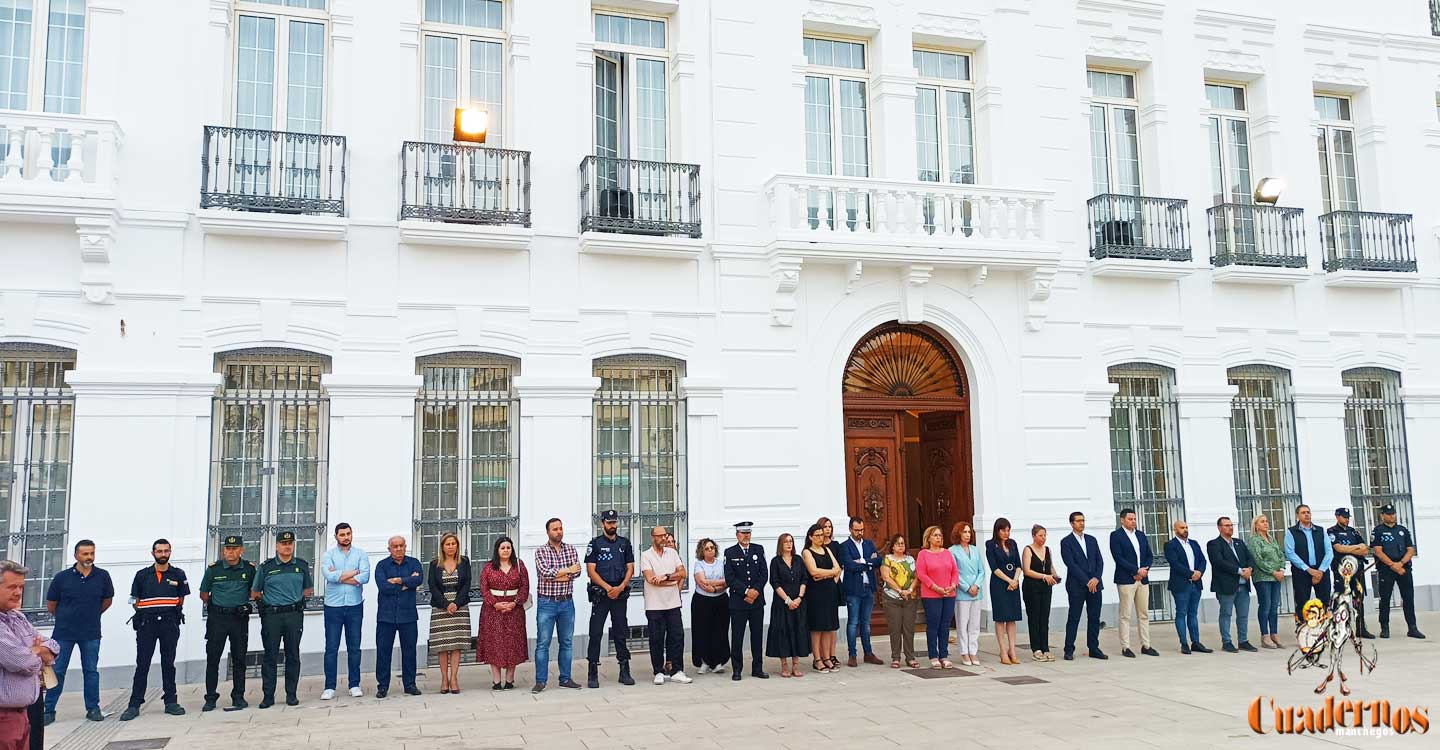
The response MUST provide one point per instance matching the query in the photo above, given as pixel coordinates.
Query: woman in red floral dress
(505, 587)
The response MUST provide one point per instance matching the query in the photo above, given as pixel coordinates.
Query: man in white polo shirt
(664, 578)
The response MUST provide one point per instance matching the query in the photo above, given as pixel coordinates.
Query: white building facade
(921, 262)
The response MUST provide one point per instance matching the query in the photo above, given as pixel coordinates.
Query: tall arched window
(1145, 449)
(37, 420)
(466, 453)
(269, 456)
(1265, 454)
(1375, 449)
(639, 446)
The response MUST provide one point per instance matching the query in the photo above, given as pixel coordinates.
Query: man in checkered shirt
(556, 566)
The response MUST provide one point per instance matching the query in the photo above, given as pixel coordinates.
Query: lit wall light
(1268, 190)
(471, 123)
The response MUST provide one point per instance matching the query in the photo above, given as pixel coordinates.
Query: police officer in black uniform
(225, 590)
(158, 595)
(610, 564)
(746, 572)
(282, 584)
(1394, 548)
(1348, 542)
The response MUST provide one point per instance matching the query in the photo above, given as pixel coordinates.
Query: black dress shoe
(266, 702)
(1384, 631)
(379, 693)
(1128, 654)
(1245, 646)
(94, 714)
(1367, 635)
(49, 718)
(412, 690)
(174, 709)
(573, 685)
(130, 713)
(735, 676)
(539, 688)
(1413, 633)
(1149, 651)
(209, 705)
(238, 704)
(1097, 654)
(1201, 648)
(291, 700)
(1069, 656)
(760, 674)
(1184, 649)
(1229, 648)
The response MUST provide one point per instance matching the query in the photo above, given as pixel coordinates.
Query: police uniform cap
(285, 536)
(1387, 510)
(609, 515)
(234, 540)
(744, 526)
(1343, 512)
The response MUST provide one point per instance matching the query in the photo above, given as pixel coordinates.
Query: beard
(162, 560)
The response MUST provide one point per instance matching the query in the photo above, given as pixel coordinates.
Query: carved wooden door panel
(943, 465)
(873, 471)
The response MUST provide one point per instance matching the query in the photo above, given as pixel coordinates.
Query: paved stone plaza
(1175, 701)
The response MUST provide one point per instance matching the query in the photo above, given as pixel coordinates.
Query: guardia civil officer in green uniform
(225, 590)
(282, 584)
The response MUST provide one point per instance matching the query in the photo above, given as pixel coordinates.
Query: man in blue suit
(1133, 558)
(1187, 567)
(1084, 567)
(1230, 580)
(861, 560)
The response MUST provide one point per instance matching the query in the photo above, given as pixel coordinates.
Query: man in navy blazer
(1230, 580)
(1084, 567)
(1187, 567)
(1133, 558)
(861, 560)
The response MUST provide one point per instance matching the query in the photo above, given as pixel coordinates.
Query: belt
(266, 609)
(511, 592)
(565, 598)
(243, 609)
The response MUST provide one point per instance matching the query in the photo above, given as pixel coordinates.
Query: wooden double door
(908, 469)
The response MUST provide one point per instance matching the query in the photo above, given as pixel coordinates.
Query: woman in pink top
(935, 567)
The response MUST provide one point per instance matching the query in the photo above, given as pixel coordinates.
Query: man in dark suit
(1084, 567)
(1131, 551)
(1230, 581)
(1187, 567)
(746, 572)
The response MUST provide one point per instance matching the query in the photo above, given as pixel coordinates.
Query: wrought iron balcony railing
(639, 197)
(1138, 227)
(1367, 241)
(1435, 17)
(464, 184)
(1256, 235)
(273, 171)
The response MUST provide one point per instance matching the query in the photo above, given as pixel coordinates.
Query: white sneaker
(328, 695)
(681, 678)
(705, 669)
(356, 692)
(660, 679)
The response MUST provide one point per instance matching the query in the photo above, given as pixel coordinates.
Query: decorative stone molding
(287, 226)
(913, 280)
(852, 275)
(1370, 135)
(949, 28)
(973, 278)
(1135, 268)
(1343, 77)
(990, 97)
(822, 13)
(640, 246)
(785, 273)
(1118, 49)
(496, 237)
(97, 234)
(1260, 275)
(1039, 283)
(1234, 63)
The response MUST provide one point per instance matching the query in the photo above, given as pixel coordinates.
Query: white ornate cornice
(1119, 48)
(1340, 74)
(949, 29)
(1235, 62)
(823, 14)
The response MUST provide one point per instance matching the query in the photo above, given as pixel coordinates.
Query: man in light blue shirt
(346, 569)
(1310, 553)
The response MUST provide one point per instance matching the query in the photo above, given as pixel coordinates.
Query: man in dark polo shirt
(76, 598)
(158, 595)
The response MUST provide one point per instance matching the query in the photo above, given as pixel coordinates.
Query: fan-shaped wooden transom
(903, 361)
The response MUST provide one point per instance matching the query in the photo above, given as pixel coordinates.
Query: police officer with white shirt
(746, 572)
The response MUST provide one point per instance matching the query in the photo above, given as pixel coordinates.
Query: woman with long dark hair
(822, 614)
(505, 588)
(1004, 556)
(900, 592)
(789, 636)
(709, 610)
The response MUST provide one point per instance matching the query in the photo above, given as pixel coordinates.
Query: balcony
(57, 167)
(1435, 17)
(655, 204)
(1364, 248)
(867, 222)
(297, 180)
(1257, 244)
(459, 195)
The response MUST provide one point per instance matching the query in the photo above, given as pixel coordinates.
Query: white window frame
(1220, 117)
(283, 15)
(1147, 504)
(835, 75)
(1328, 128)
(1110, 104)
(629, 109)
(1268, 430)
(463, 36)
(941, 86)
(38, 49)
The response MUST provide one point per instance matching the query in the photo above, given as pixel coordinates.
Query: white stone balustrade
(44, 153)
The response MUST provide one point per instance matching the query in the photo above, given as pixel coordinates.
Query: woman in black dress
(789, 636)
(1040, 580)
(821, 613)
(1004, 556)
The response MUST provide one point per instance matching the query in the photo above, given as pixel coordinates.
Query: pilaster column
(372, 449)
(1320, 432)
(1208, 474)
(555, 455)
(704, 458)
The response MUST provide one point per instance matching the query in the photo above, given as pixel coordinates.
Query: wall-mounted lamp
(1268, 190)
(471, 123)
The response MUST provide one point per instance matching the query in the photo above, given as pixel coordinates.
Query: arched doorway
(907, 433)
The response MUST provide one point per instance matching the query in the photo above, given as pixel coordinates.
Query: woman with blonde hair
(709, 610)
(1267, 555)
(939, 579)
(449, 581)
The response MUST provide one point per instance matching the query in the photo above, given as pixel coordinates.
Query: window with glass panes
(1145, 449)
(639, 447)
(464, 49)
(466, 454)
(37, 420)
(944, 126)
(1264, 452)
(837, 127)
(280, 48)
(631, 90)
(1114, 133)
(1228, 124)
(42, 65)
(1375, 448)
(269, 455)
(1339, 180)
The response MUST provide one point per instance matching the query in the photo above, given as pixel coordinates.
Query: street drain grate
(92, 734)
(154, 743)
(935, 674)
(1022, 680)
